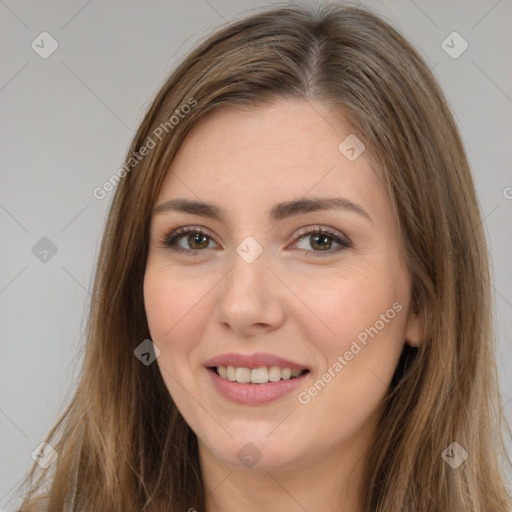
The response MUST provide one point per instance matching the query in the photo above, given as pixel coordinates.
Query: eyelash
(169, 240)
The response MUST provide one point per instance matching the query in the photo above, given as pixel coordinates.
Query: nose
(250, 298)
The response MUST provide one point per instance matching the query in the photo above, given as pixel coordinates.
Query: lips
(253, 361)
(245, 391)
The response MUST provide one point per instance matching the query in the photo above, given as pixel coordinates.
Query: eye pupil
(195, 239)
(320, 239)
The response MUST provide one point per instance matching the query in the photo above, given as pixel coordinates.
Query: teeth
(243, 375)
(274, 373)
(260, 375)
(231, 373)
(286, 373)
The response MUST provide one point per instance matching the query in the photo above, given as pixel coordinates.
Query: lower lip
(255, 394)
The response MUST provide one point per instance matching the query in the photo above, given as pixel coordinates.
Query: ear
(414, 328)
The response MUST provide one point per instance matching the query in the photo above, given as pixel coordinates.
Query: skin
(287, 302)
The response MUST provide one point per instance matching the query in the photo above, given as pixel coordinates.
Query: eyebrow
(278, 212)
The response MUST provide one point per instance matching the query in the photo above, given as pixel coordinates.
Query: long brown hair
(123, 445)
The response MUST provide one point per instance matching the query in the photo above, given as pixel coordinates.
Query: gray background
(67, 122)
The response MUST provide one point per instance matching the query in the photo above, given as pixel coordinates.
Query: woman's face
(274, 281)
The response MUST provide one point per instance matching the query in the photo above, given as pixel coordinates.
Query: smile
(261, 375)
(255, 379)
(252, 393)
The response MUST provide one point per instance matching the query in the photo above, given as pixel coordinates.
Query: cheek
(365, 311)
(173, 304)
(361, 335)
(174, 314)
(349, 303)
(357, 363)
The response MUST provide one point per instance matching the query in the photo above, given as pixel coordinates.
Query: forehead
(262, 155)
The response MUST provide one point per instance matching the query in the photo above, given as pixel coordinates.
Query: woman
(291, 308)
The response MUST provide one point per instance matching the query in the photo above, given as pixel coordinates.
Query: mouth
(255, 379)
(256, 386)
(261, 375)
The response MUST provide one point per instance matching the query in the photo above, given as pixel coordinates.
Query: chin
(254, 450)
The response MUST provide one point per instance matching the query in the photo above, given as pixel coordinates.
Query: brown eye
(320, 241)
(189, 240)
(197, 240)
